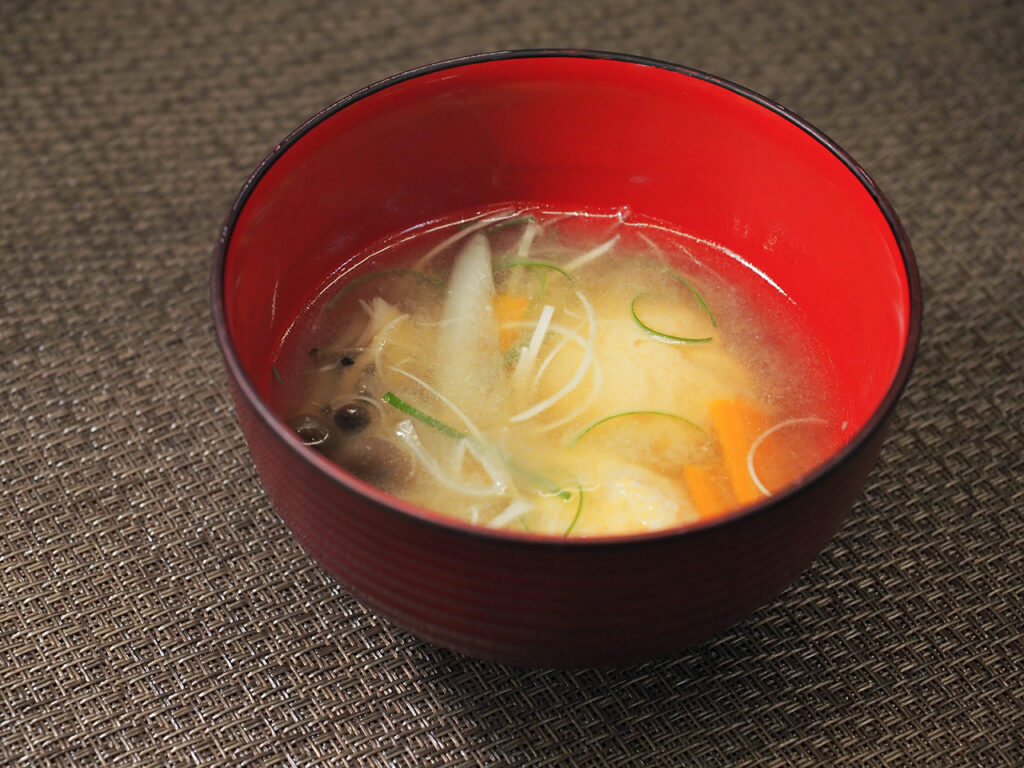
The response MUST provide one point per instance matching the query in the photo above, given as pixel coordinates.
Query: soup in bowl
(563, 358)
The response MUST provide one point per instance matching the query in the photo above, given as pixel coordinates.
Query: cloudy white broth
(560, 374)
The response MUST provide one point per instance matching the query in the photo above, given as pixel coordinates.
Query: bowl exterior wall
(544, 604)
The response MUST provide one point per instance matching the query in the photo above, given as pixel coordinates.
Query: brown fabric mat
(153, 608)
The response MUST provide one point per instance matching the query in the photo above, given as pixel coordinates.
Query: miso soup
(562, 374)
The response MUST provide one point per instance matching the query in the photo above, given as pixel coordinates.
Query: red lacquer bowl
(579, 130)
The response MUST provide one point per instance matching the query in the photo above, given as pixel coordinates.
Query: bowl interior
(578, 133)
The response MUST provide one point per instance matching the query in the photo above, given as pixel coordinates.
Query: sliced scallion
(576, 517)
(277, 375)
(506, 223)
(534, 478)
(697, 296)
(542, 276)
(392, 399)
(662, 335)
(533, 263)
(548, 486)
(594, 424)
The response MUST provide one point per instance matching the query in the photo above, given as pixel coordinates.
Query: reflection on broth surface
(559, 374)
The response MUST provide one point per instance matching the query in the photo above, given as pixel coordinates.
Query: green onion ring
(601, 421)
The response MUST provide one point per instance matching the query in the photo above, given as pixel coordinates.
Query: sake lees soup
(559, 374)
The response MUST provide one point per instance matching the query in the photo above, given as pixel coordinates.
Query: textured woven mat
(154, 610)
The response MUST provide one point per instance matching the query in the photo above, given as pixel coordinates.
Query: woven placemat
(153, 608)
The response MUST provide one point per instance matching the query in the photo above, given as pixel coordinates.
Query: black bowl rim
(410, 512)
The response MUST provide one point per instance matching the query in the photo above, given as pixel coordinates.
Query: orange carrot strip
(710, 496)
(508, 310)
(737, 424)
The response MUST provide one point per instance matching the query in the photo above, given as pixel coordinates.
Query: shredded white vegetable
(381, 337)
(465, 231)
(478, 447)
(531, 231)
(519, 372)
(524, 365)
(406, 432)
(380, 313)
(512, 512)
(595, 367)
(584, 403)
(763, 436)
(458, 455)
(592, 254)
(470, 426)
(577, 377)
(554, 353)
(485, 457)
(363, 358)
